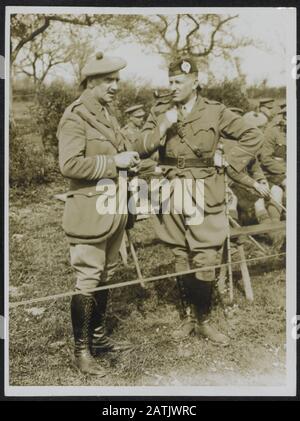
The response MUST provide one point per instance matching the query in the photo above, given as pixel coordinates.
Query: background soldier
(132, 129)
(265, 107)
(239, 111)
(251, 178)
(186, 130)
(256, 119)
(273, 159)
(91, 149)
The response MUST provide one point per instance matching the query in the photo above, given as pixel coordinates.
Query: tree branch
(29, 38)
(196, 28)
(212, 39)
(163, 32)
(177, 31)
(75, 21)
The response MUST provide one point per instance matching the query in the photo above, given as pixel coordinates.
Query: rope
(134, 282)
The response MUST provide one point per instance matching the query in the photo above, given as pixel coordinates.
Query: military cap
(266, 102)
(102, 65)
(282, 110)
(236, 110)
(282, 103)
(135, 110)
(162, 93)
(255, 119)
(182, 66)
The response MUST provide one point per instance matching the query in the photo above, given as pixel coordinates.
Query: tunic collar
(198, 106)
(94, 107)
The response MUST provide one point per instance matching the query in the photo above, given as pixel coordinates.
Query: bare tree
(39, 56)
(80, 49)
(171, 35)
(25, 28)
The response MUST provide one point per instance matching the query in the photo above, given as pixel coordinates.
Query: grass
(41, 343)
(40, 335)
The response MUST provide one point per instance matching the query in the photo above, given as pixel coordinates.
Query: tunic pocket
(204, 136)
(82, 219)
(92, 134)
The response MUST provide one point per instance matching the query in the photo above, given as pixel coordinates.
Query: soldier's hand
(171, 116)
(126, 160)
(262, 189)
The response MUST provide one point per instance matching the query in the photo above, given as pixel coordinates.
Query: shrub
(262, 90)
(26, 160)
(229, 92)
(51, 103)
(131, 94)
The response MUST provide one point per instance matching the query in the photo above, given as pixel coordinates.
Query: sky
(269, 26)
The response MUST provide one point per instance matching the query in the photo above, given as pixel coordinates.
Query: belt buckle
(181, 162)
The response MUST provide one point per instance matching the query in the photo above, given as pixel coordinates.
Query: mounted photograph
(151, 201)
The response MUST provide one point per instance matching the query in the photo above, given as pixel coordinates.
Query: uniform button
(182, 140)
(90, 193)
(109, 172)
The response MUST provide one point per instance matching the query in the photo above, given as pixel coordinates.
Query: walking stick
(278, 204)
(135, 259)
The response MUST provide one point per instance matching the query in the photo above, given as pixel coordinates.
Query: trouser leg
(88, 262)
(275, 211)
(261, 213)
(101, 342)
(232, 205)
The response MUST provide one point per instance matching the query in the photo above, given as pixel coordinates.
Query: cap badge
(185, 67)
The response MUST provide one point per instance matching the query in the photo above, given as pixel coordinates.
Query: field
(41, 344)
(40, 336)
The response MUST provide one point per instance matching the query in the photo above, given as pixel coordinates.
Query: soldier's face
(266, 111)
(137, 120)
(104, 87)
(183, 87)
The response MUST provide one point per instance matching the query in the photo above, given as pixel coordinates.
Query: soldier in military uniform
(186, 131)
(265, 107)
(252, 177)
(237, 110)
(132, 129)
(256, 119)
(91, 149)
(273, 159)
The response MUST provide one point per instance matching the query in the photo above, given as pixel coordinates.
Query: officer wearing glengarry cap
(91, 149)
(186, 129)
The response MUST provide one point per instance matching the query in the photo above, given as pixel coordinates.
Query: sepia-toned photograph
(151, 193)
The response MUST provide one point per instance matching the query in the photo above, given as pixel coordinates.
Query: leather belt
(182, 162)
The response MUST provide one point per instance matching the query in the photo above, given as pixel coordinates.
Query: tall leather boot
(100, 341)
(188, 324)
(201, 298)
(82, 308)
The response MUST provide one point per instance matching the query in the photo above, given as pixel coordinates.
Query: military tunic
(89, 137)
(131, 132)
(273, 154)
(194, 140)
